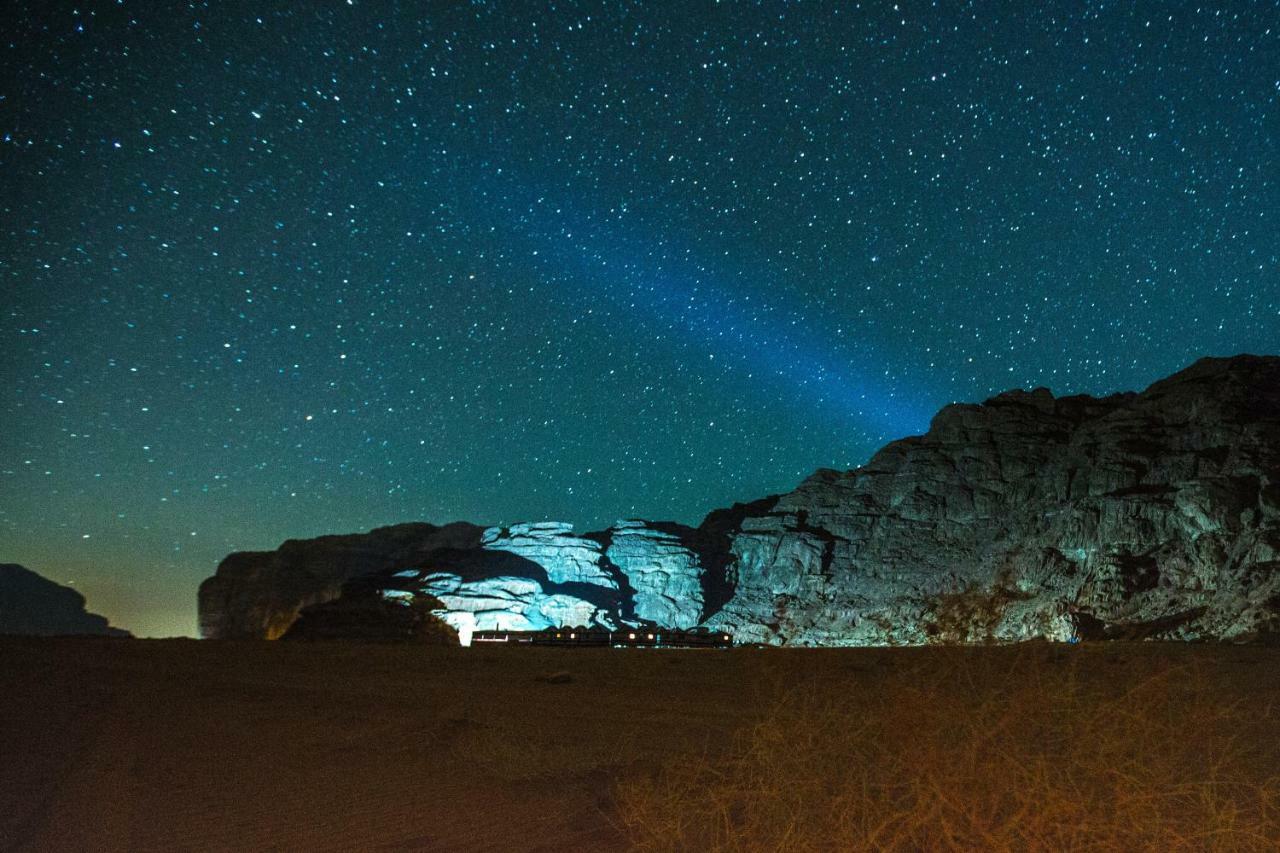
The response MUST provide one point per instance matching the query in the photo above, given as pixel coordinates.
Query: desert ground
(112, 745)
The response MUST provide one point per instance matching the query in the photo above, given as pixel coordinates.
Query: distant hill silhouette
(31, 604)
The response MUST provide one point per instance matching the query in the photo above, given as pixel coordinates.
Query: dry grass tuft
(1033, 749)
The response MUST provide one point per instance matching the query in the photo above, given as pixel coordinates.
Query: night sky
(272, 273)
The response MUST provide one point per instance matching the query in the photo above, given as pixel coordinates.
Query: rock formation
(34, 605)
(259, 594)
(492, 587)
(664, 573)
(566, 558)
(1141, 514)
(1152, 514)
(362, 612)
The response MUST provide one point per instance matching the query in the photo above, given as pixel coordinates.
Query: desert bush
(1018, 751)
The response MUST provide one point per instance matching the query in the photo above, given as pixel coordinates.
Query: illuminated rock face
(523, 577)
(506, 603)
(567, 558)
(1151, 514)
(1028, 516)
(664, 573)
(534, 576)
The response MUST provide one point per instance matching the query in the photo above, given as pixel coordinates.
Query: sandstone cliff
(1140, 514)
(258, 594)
(1152, 514)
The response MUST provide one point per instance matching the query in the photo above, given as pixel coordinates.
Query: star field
(279, 270)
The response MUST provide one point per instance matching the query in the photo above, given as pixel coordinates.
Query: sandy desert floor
(113, 745)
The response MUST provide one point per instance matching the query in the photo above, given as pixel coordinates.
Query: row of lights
(630, 636)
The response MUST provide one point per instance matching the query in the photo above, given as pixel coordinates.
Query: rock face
(258, 594)
(566, 558)
(363, 613)
(34, 605)
(494, 588)
(1140, 514)
(1152, 514)
(523, 577)
(665, 575)
(507, 603)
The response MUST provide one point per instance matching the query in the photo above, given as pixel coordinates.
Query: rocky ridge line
(1027, 516)
(33, 605)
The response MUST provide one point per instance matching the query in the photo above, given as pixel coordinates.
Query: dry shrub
(1008, 752)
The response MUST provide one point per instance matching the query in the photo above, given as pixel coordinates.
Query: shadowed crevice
(713, 543)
